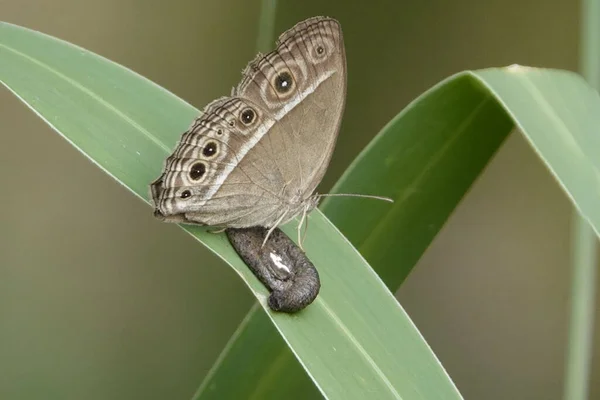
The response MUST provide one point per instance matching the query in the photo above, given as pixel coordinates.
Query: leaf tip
(516, 68)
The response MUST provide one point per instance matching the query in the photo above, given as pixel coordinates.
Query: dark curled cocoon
(280, 265)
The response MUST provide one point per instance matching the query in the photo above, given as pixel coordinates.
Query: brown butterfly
(256, 157)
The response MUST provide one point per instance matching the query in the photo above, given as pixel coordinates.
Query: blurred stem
(266, 26)
(583, 286)
(590, 42)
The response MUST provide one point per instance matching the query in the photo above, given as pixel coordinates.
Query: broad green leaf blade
(354, 340)
(256, 343)
(555, 110)
(559, 114)
(426, 159)
(428, 156)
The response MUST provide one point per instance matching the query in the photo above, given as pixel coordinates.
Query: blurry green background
(98, 300)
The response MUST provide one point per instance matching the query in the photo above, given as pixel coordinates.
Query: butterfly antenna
(367, 196)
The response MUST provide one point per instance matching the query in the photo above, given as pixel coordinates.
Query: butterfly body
(255, 158)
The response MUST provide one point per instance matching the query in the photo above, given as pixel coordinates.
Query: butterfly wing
(302, 86)
(197, 185)
(257, 156)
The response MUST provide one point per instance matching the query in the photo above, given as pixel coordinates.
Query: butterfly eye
(209, 150)
(185, 194)
(198, 170)
(283, 82)
(247, 116)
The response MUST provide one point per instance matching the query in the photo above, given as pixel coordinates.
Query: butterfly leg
(283, 188)
(267, 236)
(301, 237)
(305, 230)
(220, 230)
(273, 228)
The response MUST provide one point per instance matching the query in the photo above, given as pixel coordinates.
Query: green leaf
(427, 157)
(355, 340)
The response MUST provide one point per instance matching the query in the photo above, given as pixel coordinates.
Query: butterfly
(256, 157)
